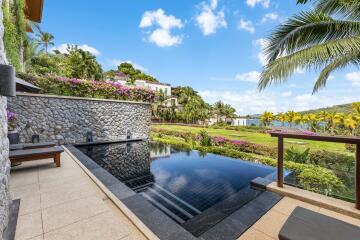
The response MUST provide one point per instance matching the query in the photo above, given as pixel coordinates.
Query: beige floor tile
(55, 174)
(287, 205)
(40, 237)
(70, 212)
(62, 182)
(68, 193)
(23, 191)
(29, 204)
(341, 217)
(23, 177)
(104, 226)
(252, 234)
(29, 226)
(271, 223)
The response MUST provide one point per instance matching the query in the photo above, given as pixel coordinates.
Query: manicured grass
(260, 138)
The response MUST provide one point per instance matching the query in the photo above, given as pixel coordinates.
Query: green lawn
(260, 138)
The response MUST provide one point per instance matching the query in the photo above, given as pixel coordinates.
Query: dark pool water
(181, 183)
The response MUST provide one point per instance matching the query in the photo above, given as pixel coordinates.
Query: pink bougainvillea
(89, 88)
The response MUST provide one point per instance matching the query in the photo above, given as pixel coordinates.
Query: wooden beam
(323, 138)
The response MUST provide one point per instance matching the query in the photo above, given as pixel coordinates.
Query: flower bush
(11, 117)
(88, 88)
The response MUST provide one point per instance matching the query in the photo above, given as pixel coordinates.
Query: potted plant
(13, 134)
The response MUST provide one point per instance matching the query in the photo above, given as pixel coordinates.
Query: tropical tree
(281, 118)
(266, 118)
(333, 119)
(326, 38)
(351, 122)
(81, 64)
(290, 117)
(312, 121)
(218, 110)
(42, 38)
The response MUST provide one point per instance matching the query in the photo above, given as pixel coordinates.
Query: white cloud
(246, 25)
(261, 44)
(354, 78)
(269, 17)
(163, 38)
(286, 94)
(252, 76)
(117, 62)
(208, 20)
(63, 48)
(263, 3)
(163, 24)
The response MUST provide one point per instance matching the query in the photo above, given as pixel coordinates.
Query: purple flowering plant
(11, 117)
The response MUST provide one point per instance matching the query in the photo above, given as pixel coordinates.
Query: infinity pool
(183, 184)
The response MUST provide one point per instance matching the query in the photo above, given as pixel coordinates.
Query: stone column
(4, 145)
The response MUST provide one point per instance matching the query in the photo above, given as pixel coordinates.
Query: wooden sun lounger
(22, 146)
(36, 154)
(304, 224)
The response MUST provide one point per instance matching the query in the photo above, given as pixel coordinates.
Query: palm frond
(316, 56)
(305, 30)
(342, 62)
(349, 9)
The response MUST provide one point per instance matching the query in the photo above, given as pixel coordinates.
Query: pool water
(183, 184)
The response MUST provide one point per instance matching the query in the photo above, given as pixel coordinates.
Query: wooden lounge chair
(36, 154)
(22, 146)
(304, 224)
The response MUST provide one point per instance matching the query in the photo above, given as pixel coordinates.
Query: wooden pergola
(336, 139)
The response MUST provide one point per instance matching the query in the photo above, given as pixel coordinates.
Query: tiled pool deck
(64, 203)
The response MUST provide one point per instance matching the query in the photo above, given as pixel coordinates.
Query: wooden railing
(337, 139)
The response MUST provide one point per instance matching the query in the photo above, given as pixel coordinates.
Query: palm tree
(281, 118)
(312, 121)
(44, 38)
(333, 119)
(290, 117)
(315, 39)
(266, 118)
(352, 122)
(219, 109)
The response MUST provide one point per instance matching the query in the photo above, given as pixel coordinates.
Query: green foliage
(325, 38)
(76, 63)
(334, 161)
(295, 155)
(134, 74)
(14, 31)
(205, 139)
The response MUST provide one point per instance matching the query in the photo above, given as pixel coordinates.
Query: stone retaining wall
(68, 119)
(4, 146)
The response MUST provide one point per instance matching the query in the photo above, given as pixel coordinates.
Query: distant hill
(343, 108)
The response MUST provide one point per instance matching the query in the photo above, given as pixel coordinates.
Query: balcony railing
(337, 139)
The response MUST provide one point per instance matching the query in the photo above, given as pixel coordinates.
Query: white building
(239, 122)
(159, 87)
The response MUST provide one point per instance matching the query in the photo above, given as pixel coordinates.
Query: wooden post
(357, 177)
(280, 166)
(57, 159)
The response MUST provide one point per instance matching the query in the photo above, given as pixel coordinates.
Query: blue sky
(212, 46)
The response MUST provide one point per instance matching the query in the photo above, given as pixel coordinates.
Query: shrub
(350, 147)
(332, 160)
(296, 155)
(85, 88)
(205, 139)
